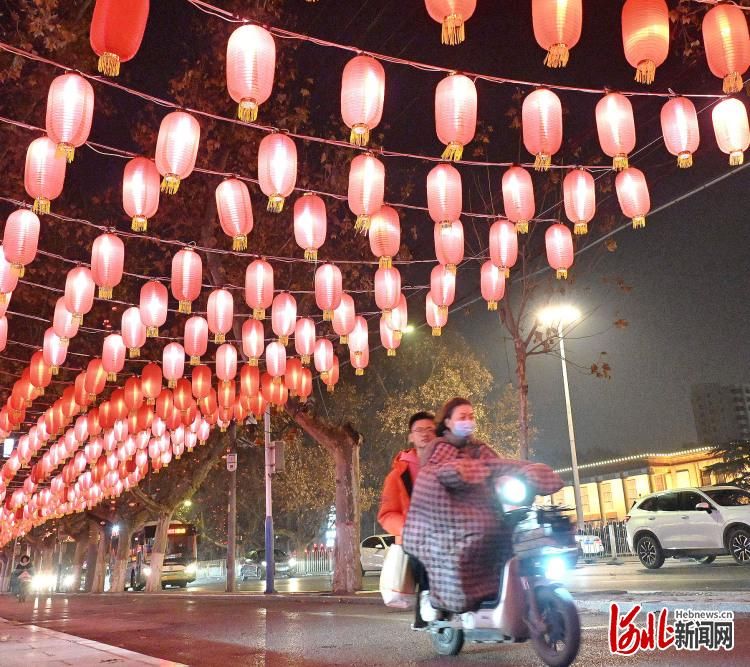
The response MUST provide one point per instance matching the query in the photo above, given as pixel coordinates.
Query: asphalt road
(247, 630)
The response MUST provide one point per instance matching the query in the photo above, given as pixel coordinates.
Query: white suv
(699, 523)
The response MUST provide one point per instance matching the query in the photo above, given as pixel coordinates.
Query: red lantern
(226, 394)
(63, 323)
(226, 362)
(344, 318)
(442, 287)
(92, 420)
(304, 337)
(492, 284)
(731, 129)
(54, 350)
(455, 114)
(616, 128)
(201, 382)
(20, 239)
(437, 316)
(362, 94)
(40, 373)
(387, 289)
(557, 28)
(385, 236)
(645, 36)
(196, 339)
(304, 389)
(366, 189)
(259, 287)
(235, 211)
(679, 125)
(151, 379)
(79, 292)
(359, 339)
(107, 259)
(249, 380)
(579, 195)
(444, 194)
(323, 356)
(273, 391)
(518, 198)
(140, 192)
(559, 242)
(176, 149)
(541, 115)
(398, 318)
(276, 359)
(133, 332)
(727, 42)
(116, 32)
(173, 363)
(283, 316)
(277, 169)
(310, 224)
(133, 395)
(220, 314)
(293, 375)
(118, 405)
(388, 338)
(633, 195)
(3, 332)
(360, 360)
(96, 378)
(328, 289)
(253, 342)
(187, 272)
(251, 61)
(80, 392)
(113, 356)
(70, 110)
(45, 173)
(503, 245)
(164, 404)
(183, 395)
(449, 244)
(8, 279)
(451, 14)
(153, 307)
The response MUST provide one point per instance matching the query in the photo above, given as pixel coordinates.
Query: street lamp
(559, 317)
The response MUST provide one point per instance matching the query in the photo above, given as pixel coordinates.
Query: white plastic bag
(397, 580)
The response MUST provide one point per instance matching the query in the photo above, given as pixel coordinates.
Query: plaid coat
(454, 527)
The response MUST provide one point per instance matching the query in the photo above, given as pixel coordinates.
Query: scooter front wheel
(448, 641)
(558, 643)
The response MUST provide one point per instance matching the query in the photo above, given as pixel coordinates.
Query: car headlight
(263, 563)
(147, 571)
(513, 491)
(68, 580)
(555, 568)
(192, 568)
(43, 581)
(292, 562)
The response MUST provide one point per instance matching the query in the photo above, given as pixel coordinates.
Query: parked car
(589, 546)
(699, 523)
(372, 552)
(254, 566)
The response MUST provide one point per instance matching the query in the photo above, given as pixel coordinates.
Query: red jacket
(394, 503)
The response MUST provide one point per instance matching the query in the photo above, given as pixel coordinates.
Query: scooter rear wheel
(448, 641)
(558, 644)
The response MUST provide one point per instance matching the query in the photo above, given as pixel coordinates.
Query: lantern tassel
(522, 227)
(437, 331)
(54, 370)
(733, 83)
(171, 383)
(328, 316)
(362, 224)
(275, 204)
(639, 222)
(324, 376)
(492, 305)
(736, 158)
(645, 72)
(344, 340)
(385, 263)
(451, 268)
(152, 332)
(239, 242)
(109, 64)
(67, 151)
(311, 255)
(284, 340)
(105, 292)
(685, 160)
(139, 223)
(185, 307)
(3, 299)
(557, 56)
(359, 371)
(111, 377)
(620, 162)
(170, 184)
(542, 162)
(391, 352)
(219, 337)
(453, 30)
(562, 274)
(41, 205)
(360, 135)
(305, 359)
(581, 228)
(18, 269)
(506, 270)
(194, 360)
(331, 388)
(259, 314)
(134, 352)
(247, 111)
(453, 152)
(252, 361)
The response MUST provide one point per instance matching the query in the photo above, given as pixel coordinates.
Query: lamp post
(559, 317)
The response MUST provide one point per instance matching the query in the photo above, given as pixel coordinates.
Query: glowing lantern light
(328, 289)
(362, 95)
(133, 395)
(277, 169)
(359, 337)
(323, 357)
(455, 114)
(503, 245)
(385, 236)
(283, 316)
(310, 223)
(444, 194)
(645, 36)
(443, 287)
(251, 62)
(249, 380)
(253, 340)
(113, 356)
(518, 197)
(344, 318)
(79, 292)
(226, 362)
(557, 28)
(107, 259)
(259, 287)
(44, 175)
(140, 192)
(559, 243)
(449, 244)
(437, 316)
(273, 391)
(615, 126)
(451, 14)
(64, 324)
(366, 189)
(731, 129)
(153, 307)
(492, 284)
(20, 239)
(388, 338)
(633, 195)
(196, 339)
(679, 125)
(305, 385)
(116, 32)
(398, 318)
(201, 382)
(70, 110)
(276, 359)
(176, 149)
(151, 379)
(304, 336)
(187, 272)
(220, 314)
(3, 332)
(8, 280)
(133, 332)
(727, 42)
(360, 360)
(541, 121)
(387, 289)
(95, 378)
(164, 405)
(579, 195)
(40, 373)
(182, 395)
(173, 363)
(235, 211)
(292, 376)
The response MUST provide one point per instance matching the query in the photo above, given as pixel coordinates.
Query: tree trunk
(523, 399)
(158, 552)
(100, 569)
(347, 575)
(122, 557)
(82, 545)
(92, 542)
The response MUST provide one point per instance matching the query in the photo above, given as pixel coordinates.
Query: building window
(585, 505)
(630, 490)
(658, 482)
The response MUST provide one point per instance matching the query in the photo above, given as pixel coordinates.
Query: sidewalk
(31, 645)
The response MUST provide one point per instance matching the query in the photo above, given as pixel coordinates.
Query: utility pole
(270, 565)
(232, 510)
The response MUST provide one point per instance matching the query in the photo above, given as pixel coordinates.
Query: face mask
(464, 429)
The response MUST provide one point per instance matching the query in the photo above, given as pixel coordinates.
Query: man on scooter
(454, 527)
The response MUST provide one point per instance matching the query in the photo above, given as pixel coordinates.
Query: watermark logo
(689, 630)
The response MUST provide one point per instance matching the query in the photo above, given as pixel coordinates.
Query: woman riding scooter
(21, 578)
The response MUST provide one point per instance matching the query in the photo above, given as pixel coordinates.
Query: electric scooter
(532, 604)
(24, 586)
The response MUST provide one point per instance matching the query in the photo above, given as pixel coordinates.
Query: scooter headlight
(147, 571)
(192, 568)
(513, 491)
(555, 568)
